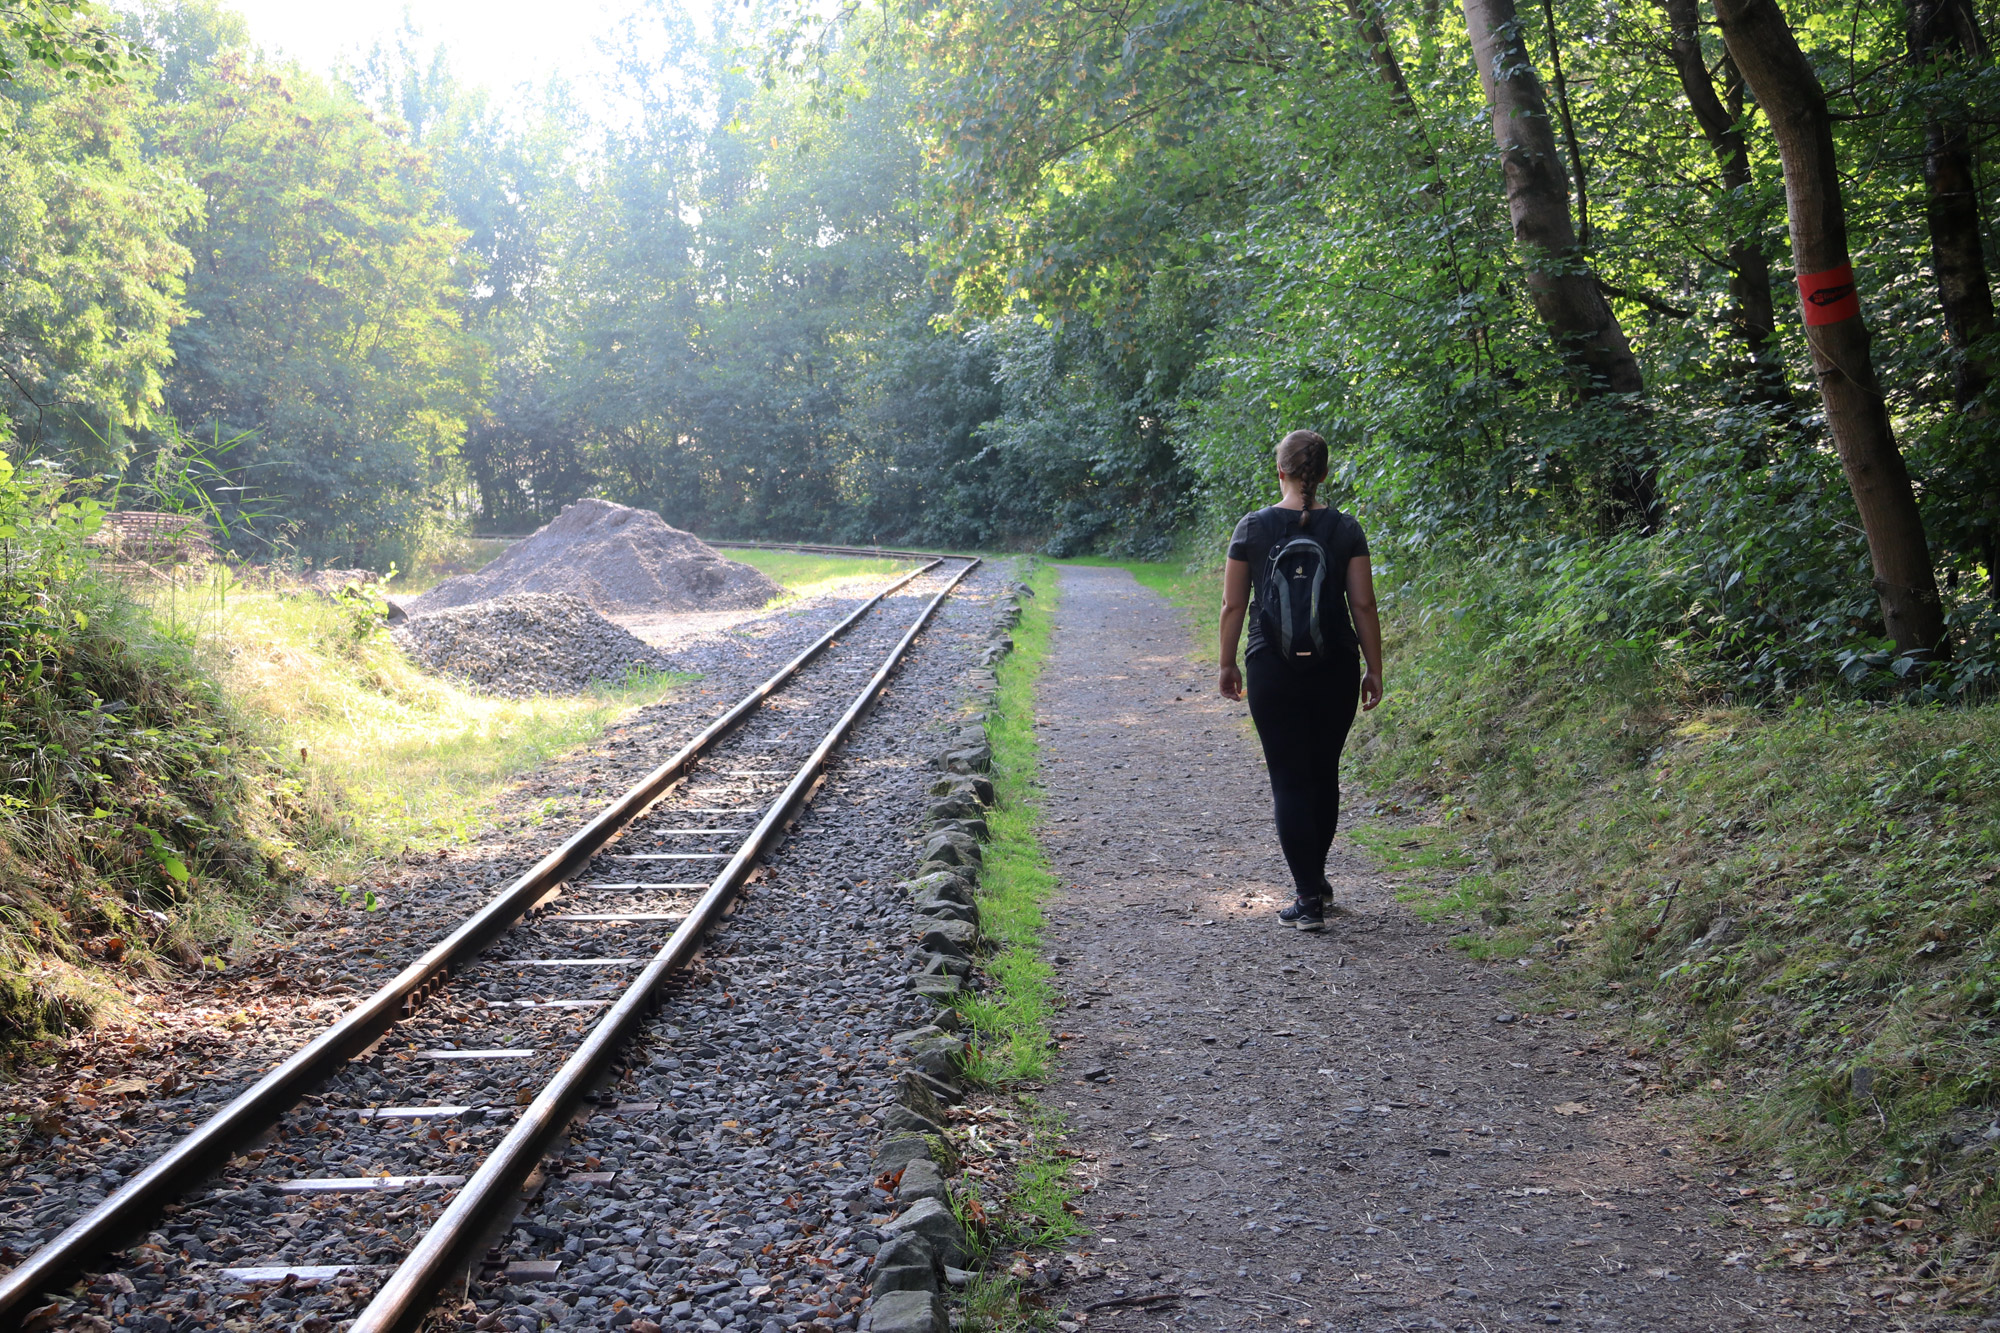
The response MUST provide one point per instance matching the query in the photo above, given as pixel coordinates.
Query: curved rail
(133, 1208)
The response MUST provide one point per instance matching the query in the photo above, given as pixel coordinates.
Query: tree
(1752, 315)
(1563, 289)
(326, 288)
(1785, 86)
(1945, 40)
(1946, 45)
(90, 267)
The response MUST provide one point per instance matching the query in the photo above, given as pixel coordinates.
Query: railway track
(445, 1088)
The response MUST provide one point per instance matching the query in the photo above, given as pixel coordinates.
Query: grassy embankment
(204, 753)
(1789, 911)
(417, 759)
(411, 759)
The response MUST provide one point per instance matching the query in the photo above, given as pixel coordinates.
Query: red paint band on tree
(1829, 297)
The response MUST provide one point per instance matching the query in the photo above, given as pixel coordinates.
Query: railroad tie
(619, 916)
(363, 1184)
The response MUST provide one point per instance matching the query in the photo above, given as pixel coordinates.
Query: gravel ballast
(526, 644)
(620, 560)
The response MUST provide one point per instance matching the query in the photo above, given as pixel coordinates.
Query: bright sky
(494, 43)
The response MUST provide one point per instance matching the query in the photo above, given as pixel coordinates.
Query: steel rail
(129, 1212)
(445, 1252)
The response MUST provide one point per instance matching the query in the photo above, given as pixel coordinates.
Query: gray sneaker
(1304, 914)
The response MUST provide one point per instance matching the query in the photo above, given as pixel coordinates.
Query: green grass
(412, 759)
(144, 823)
(1042, 1205)
(455, 556)
(1011, 1019)
(800, 573)
(1011, 1022)
(1792, 911)
(1428, 868)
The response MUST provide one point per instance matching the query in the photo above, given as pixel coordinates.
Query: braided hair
(1302, 457)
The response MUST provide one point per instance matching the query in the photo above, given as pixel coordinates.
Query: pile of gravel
(621, 561)
(529, 643)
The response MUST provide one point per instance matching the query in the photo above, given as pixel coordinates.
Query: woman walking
(1309, 563)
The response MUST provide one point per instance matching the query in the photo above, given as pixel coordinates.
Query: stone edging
(924, 1249)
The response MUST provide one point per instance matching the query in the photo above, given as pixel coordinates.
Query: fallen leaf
(123, 1085)
(1571, 1108)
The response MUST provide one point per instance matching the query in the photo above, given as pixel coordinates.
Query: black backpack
(1293, 599)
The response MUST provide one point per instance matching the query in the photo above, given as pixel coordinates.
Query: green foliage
(1011, 274)
(70, 38)
(138, 819)
(1775, 899)
(93, 265)
(1339, 255)
(327, 327)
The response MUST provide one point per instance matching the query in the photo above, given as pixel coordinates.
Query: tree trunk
(1561, 286)
(1380, 52)
(1783, 82)
(1945, 33)
(1752, 314)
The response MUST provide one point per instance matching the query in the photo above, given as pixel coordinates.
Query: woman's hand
(1230, 681)
(1371, 690)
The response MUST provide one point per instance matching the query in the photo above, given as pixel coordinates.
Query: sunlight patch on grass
(416, 760)
(802, 574)
(453, 557)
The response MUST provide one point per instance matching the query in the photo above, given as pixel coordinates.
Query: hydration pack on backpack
(1292, 600)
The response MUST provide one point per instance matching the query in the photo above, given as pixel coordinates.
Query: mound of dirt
(622, 561)
(528, 643)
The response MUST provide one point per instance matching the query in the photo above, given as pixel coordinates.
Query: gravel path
(1345, 1131)
(807, 995)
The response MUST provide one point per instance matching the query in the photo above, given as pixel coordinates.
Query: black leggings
(1302, 717)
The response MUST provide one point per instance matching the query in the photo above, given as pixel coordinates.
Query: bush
(139, 822)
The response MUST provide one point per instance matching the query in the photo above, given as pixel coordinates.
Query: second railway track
(432, 1102)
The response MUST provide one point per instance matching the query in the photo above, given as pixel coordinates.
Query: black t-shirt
(1256, 533)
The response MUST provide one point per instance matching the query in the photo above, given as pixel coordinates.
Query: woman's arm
(1361, 599)
(1235, 602)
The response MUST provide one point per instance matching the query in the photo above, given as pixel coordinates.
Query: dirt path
(1337, 1131)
